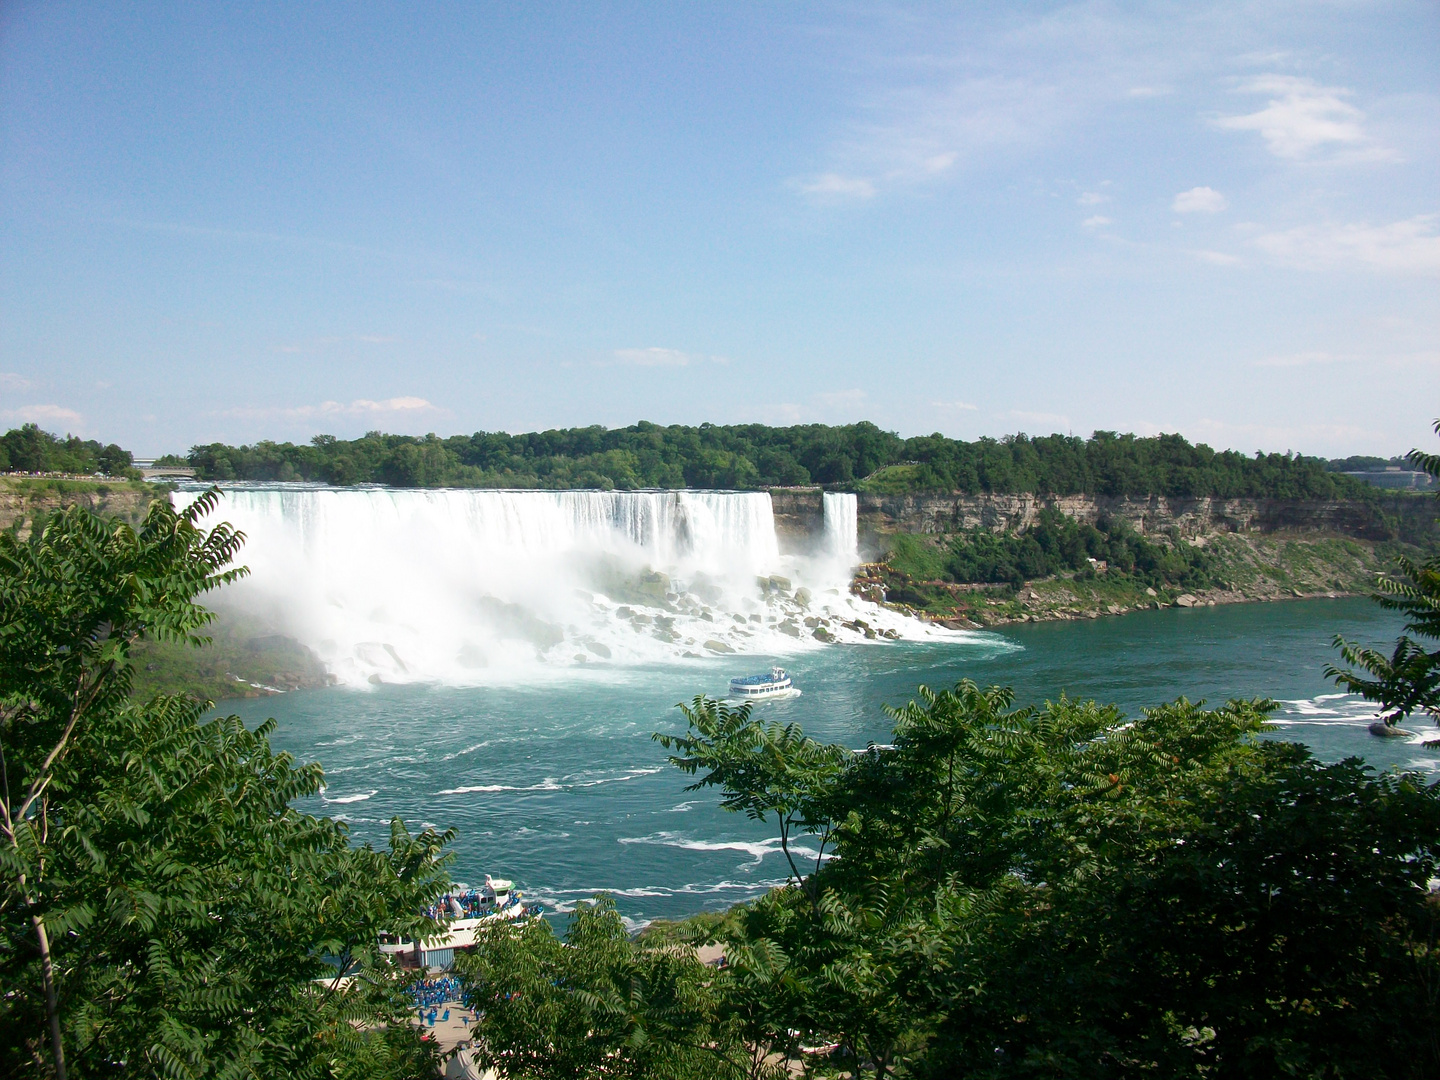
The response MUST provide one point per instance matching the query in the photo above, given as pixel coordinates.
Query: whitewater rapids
(469, 587)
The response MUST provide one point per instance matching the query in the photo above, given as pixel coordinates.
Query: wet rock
(598, 649)
(1185, 600)
(717, 646)
(624, 613)
(778, 583)
(740, 619)
(643, 620)
(754, 618)
(1389, 731)
(823, 634)
(707, 616)
(791, 628)
(812, 622)
(802, 596)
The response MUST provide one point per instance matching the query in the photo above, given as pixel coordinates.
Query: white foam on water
(348, 798)
(467, 587)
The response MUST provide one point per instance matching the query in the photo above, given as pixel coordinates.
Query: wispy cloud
(360, 407)
(1411, 246)
(43, 414)
(11, 381)
(1098, 221)
(1217, 258)
(654, 357)
(1199, 200)
(1302, 117)
(955, 406)
(1092, 198)
(837, 398)
(836, 186)
(1055, 421)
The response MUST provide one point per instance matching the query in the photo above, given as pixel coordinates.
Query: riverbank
(1246, 568)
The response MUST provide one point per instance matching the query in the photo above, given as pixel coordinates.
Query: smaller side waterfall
(842, 539)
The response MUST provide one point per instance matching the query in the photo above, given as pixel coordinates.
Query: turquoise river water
(558, 784)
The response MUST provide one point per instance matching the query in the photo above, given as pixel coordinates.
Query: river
(556, 782)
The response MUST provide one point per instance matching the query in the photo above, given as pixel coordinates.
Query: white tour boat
(775, 684)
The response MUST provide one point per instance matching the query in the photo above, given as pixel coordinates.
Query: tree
(596, 1004)
(1408, 680)
(163, 909)
(1064, 890)
(763, 770)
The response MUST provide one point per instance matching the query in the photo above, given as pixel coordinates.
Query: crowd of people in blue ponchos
(472, 904)
(436, 991)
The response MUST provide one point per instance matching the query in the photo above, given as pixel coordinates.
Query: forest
(28, 449)
(859, 457)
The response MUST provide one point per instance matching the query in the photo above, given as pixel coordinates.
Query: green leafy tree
(766, 771)
(595, 1004)
(163, 909)
(1408, 680)
(1068, 891)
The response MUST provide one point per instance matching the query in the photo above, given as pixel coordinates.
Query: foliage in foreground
(1046, 891)
(163, 910)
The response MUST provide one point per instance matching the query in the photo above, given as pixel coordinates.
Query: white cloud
(653, 357)
(1097, 222)
(1147, 91)
(1092, 198)
(1199, 200)
(841, 398)
(957, 406)
(43, 414)
(1218, 258)
(1301, 116)
(1411, 246)
(837, 186)
(1301, 359)
(1055, 421)
(396, 406)
(11, 381)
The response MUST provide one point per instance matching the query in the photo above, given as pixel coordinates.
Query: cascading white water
(470, 586)
(842, 535)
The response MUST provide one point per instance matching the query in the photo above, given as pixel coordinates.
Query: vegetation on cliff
(28, 449)
(857, 457)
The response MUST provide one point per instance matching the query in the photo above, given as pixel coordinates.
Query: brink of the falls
(464, 586)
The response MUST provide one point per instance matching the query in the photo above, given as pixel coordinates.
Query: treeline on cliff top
(859, 457)
(27, 449)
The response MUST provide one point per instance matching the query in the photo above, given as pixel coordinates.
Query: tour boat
(465, 914)
(775, 684)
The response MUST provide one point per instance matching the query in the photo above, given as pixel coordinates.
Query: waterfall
(841, 529)
(463, 586)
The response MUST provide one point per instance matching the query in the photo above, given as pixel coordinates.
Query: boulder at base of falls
(598, 649)
(791, 628)
(823, 634)
(718, 646)
(1389, 731)
(802, 596)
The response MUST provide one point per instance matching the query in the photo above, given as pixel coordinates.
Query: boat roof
(756, 680)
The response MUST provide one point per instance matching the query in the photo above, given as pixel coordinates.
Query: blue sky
(233, 222)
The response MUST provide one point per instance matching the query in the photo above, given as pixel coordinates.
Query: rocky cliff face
(22, 501)
(798, 515)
